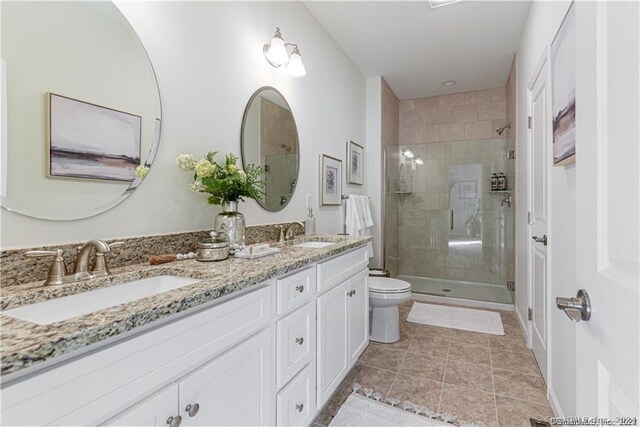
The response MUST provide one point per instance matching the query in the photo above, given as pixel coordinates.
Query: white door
(539, 143)
(233, 389)
(358, 309)
(159, 410)
(332, 341)
(607, 192)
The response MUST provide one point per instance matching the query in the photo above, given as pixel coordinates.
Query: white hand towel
(368, 217)
(352, 221)
(364, 206)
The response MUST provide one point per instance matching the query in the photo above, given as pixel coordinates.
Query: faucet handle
(58, 268)
(281, 227)
(115, 245)
(100, 267)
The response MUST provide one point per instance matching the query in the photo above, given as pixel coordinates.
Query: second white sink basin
(56, 310)
(314, 245)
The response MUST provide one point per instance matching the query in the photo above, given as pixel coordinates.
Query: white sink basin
(56, 310)
(314, 245)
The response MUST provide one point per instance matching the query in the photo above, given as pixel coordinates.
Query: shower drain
(446, 290)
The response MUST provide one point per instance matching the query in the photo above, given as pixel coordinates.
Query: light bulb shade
(407, 153)
(296, 67)
(277, 54)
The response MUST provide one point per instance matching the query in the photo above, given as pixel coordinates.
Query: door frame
(543, 66)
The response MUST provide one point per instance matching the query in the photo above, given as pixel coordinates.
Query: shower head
(502, 129)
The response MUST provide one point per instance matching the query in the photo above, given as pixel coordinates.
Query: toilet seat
(385, 285)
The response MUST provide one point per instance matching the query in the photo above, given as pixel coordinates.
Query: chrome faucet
(288, 234)
(58, 270)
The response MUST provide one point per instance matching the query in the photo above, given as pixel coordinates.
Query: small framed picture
(330, 181)
(355, 168)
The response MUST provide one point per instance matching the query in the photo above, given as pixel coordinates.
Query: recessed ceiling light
(448, 83)
(438, 3)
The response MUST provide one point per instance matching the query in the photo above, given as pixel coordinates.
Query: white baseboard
(555, 406)
(464, 302)
(523, 325)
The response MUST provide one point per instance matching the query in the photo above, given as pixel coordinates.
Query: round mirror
(270, 139)
(81, 109)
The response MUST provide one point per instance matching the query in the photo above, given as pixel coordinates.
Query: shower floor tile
(507, 389)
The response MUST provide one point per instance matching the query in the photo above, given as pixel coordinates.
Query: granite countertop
(24, 344)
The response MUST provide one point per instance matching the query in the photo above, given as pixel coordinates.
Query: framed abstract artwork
(355, 168)
(90, 141)
(563, 90)
(330, 181)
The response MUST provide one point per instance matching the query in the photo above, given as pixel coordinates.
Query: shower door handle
(451, 219)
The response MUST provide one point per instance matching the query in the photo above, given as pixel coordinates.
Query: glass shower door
(475, 262)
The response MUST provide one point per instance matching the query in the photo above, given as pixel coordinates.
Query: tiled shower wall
(455, 117)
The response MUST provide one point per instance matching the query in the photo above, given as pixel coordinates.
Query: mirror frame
(98, 210)
(242, 142)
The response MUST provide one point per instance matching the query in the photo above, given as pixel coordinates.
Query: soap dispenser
(310, 223)
(494, 181)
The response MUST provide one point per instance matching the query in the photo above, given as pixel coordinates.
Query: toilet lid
(387, 285)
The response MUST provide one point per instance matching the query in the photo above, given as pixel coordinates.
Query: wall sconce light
(277, 55)
(418, 161)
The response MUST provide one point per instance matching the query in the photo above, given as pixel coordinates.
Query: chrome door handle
(542, 239)
(174, 421)
(578, 308)
(300, 288)
(299, 341)
(300, 407)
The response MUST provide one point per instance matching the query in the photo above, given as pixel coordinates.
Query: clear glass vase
(233, 224)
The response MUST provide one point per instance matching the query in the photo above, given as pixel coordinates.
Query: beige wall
(390, 133)
(455, 117)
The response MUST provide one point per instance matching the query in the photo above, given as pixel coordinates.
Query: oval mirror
(82, 108)
(270, 139)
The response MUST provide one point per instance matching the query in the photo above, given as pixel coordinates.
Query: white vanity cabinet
(343, 319)
(233, 390)
(158, 410)
(269, 356)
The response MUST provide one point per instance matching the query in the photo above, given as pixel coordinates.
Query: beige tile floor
(478, 377)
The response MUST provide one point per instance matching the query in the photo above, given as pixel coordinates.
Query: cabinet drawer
(340, 268)
(296, 342)
(295, 290)
(97, 386)
(295, 403)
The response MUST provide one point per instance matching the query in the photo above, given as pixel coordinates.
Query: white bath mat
(362, 411)
(467, 319)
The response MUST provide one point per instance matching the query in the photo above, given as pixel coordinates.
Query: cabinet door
(358, 309)
(233, 389)
(332, 341)
(154, 411)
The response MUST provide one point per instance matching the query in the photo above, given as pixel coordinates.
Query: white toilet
(385, 295)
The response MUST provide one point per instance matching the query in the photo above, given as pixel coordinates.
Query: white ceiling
(415, 48)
